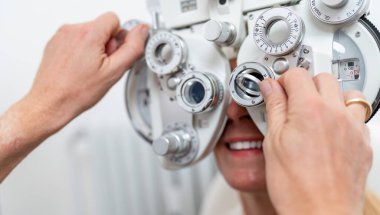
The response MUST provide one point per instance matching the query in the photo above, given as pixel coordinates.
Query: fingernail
(265, 87)
(144, 30)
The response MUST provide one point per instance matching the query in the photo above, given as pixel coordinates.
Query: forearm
(22, 128)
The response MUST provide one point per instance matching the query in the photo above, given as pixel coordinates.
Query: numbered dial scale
(165, 52)
(338, 11)
(278, 31)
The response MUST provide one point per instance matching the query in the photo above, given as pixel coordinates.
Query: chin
(243, 172)
(246, 181)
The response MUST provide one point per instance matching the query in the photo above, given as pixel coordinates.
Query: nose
(236, 112)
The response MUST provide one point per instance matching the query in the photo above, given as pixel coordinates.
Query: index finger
(107, 25)
(298, 85)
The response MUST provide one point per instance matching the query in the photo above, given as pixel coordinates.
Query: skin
(306, 152)
(244, 172)
(80, 64)
(300, 160)
(332, 153)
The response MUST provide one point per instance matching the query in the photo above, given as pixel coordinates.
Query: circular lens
(244, 83)
(194, 92)
(278, 31)
(248, 82)
(199, 92)
(164, 53)
(251, 85)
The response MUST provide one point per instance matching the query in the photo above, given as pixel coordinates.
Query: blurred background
(96, 165)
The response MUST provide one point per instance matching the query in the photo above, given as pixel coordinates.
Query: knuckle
(87, 32)
(65, 28)
(366, 149)
(343, 120)
(354, 94)
(324, 77)
(294, 74)
(369, 157)
(113, 17)
(298, 71)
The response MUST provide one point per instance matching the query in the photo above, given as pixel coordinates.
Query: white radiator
(116, 173)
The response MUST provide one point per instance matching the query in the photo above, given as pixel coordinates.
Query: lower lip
(246, 152)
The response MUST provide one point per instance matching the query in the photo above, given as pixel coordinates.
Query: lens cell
(194, 92)
(199, 92)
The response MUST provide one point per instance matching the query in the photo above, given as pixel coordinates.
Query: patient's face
(239, 158)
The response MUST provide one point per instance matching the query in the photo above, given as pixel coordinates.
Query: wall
(93, 166)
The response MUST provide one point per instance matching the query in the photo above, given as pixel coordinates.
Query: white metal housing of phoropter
(177, 96)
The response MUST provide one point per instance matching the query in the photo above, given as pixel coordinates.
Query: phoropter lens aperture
(163, 54)
(248, 82)
(199, 92)
(244, 84)
(194, 92)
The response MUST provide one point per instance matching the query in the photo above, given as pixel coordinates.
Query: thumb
(130, 51)
(276, 102)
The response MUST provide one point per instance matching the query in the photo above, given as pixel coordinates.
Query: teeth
(245, 145)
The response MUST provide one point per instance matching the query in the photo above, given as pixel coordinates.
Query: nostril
(236, 112)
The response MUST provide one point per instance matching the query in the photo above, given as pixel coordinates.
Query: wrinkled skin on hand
(317, 150)
(82, 62)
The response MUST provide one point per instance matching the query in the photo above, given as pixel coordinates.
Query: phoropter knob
(177, 142)
(335, 3)
(219, 32)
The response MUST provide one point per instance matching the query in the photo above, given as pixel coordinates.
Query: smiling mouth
(245, 145)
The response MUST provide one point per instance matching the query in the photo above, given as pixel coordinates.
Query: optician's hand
(80, 64)
(317, 150)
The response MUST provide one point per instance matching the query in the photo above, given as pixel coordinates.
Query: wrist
(44, 114)
(21, 130)
(23, 127)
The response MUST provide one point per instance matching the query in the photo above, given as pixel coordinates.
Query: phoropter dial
(199, 92)
(176, 142)
(338, 11)
(165, 52)
(244, 83)
(223, 33)
(179, 144)
(278, 31)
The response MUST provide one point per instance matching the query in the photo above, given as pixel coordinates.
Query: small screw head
(357, 34)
